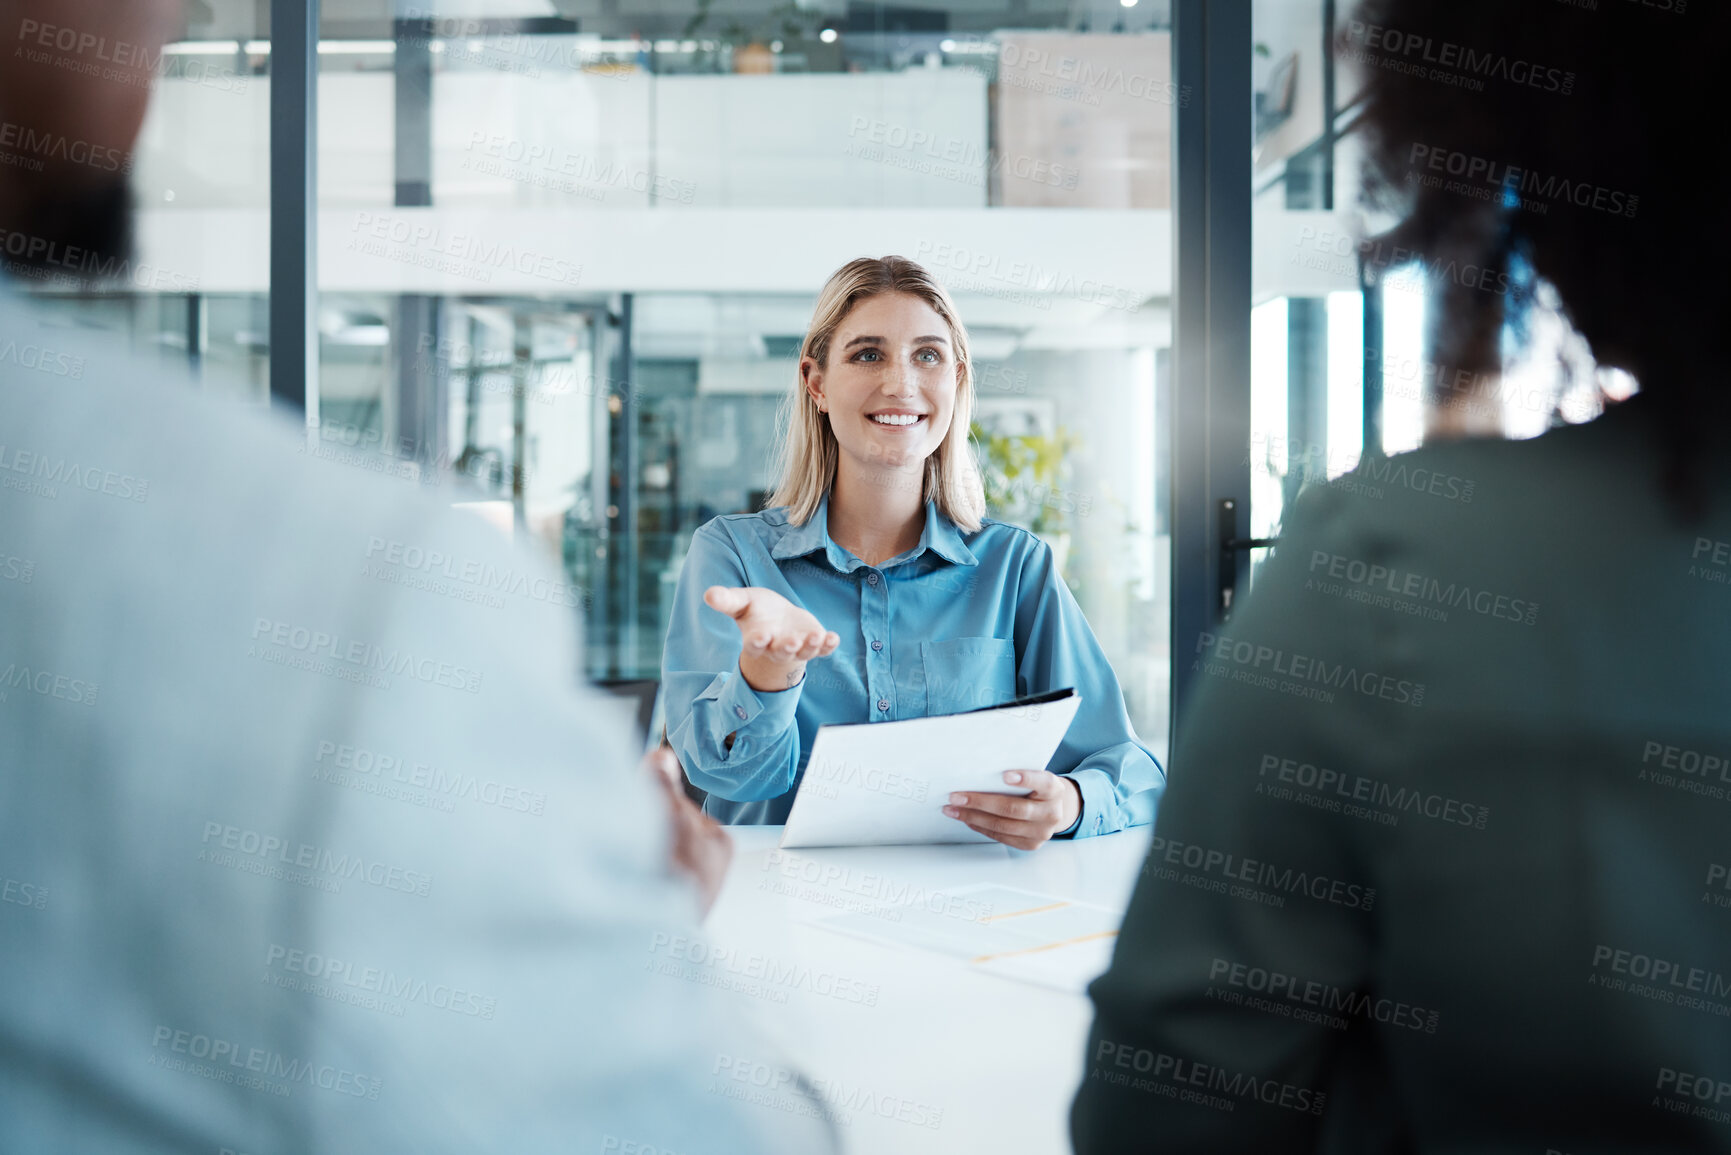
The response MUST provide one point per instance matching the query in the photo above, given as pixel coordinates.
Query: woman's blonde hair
(809, 452)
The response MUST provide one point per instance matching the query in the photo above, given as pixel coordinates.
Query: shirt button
(877, 645)
(871, 579)
(740, 711)
(883, 703)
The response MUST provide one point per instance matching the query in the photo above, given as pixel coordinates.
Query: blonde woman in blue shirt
(874, 588)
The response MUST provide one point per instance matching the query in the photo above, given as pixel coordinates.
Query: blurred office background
(568, 248)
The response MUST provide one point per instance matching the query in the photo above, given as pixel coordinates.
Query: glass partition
(1340, 323)
(568, 263)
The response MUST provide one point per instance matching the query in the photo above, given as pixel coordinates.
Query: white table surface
(999, 1059)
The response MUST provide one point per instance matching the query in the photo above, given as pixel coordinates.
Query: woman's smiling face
(890, 384)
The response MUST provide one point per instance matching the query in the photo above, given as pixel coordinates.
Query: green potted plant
(1022, 474)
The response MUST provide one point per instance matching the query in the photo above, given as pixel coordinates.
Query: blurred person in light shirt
(232, 916)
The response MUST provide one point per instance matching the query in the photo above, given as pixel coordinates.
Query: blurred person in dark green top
(1443, 861)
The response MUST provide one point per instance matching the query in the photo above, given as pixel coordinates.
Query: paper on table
(1017, 934)
(886, 783)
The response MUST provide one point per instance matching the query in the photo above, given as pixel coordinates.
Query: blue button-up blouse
(957, 622)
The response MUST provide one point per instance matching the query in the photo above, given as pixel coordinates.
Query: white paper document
(886, 783)
(1016, 934)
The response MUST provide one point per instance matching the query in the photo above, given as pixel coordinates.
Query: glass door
(644, 205)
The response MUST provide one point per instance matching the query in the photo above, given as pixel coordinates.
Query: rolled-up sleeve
(734, 742)
(1119, 778)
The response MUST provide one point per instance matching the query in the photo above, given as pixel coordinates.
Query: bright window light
(1269, 336)
(828, 35)
(1403, 314)
(202, 48)
(356, 47)
(1345, 381)
(1142, 494)
(326, 47)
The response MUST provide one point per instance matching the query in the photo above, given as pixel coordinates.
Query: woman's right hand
(778, 637)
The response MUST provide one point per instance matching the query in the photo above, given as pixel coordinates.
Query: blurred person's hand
(779, 638)
(701, 847)
(1024, 821)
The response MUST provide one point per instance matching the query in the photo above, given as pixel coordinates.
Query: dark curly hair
(1569, 142)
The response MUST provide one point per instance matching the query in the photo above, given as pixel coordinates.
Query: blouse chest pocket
(968, 673)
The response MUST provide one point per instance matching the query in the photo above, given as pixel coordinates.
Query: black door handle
(1230, 545)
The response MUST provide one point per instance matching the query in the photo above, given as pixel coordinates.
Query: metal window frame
(1211, 244)
(294, 204)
